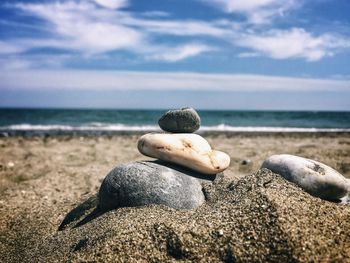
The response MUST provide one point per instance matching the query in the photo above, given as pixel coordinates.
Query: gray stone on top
(144, 183)
(184, 120)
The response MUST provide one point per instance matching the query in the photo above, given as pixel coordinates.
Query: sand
(48, 212)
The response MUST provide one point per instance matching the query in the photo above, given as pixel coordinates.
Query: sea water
(75, 120)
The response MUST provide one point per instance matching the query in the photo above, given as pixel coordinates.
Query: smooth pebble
(144, 183)
(189, 150)
(185, 120)
(314, 177)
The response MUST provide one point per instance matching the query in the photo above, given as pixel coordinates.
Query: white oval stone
(189, 150)
(314, 177)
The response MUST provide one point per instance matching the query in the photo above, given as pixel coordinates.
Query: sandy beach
(48, 189)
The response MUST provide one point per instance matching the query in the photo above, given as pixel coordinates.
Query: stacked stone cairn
(185, 160)
(181, 146)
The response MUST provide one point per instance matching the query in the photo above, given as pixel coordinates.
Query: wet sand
(48, 189)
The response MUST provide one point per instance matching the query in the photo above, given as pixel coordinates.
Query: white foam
(149, 128)
(227, 128)
(90, 127)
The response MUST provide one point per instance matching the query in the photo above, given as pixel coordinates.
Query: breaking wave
(102, 127)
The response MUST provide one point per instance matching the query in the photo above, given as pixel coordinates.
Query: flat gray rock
(314, 177)
(185, 120)
(144, 183)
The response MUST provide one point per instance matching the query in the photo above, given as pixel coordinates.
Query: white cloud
(178, 28)
(84, 27)
(126, 80)
(293, 43)
(181, 52)
(245, 6)
(21, 62)
(256, 11)
(15, 64)
(155, 13)
(95, 27)
(113, 4)
(77, 26)
(9, 48)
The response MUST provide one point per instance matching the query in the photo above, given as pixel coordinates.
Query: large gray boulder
(185, 120)
(314, 177)
(144, 183)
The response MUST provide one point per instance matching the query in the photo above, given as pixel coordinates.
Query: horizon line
(163, 109)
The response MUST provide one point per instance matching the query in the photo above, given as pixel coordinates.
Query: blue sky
(252, 54)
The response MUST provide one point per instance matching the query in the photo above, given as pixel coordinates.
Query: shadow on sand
(83, 213)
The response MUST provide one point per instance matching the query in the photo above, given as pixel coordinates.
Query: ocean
(55, 121)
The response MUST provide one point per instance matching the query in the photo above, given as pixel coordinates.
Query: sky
(208, 54)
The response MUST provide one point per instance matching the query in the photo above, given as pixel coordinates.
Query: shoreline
(97, 133)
